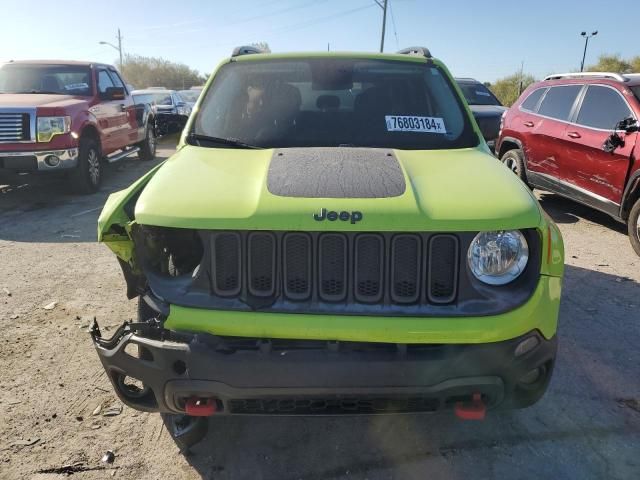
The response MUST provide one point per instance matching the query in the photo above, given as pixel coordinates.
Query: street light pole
(586, 44)
(118, 48)
(383, 5)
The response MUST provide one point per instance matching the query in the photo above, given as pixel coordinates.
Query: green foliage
(615, 63)
(143, 72)
(508, 89)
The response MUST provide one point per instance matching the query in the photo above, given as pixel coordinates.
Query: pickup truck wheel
(148, 145)
(87, 176)
(514, 161)
(633, 224)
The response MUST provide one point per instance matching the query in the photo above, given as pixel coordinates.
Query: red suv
(575, 135)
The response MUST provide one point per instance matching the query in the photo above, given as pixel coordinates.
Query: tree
(612, 63)
(142, 72)
(508, 89)
(635, 64)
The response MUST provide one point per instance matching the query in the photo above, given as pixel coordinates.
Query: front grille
(333, 405)
(14, 127)
(335, 268)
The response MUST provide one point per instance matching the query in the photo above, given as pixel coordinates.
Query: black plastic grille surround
(392, 274)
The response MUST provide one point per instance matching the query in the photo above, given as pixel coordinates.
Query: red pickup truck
(61, 116)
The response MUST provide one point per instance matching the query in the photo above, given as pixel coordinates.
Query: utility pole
(120, 48)
(586, 44)
(383, 5)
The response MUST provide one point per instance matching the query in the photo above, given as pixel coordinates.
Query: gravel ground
(54, 278)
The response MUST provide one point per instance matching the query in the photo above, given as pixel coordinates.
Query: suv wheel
(633, 224)
(87, 176)
(514, 160)
(148, 145)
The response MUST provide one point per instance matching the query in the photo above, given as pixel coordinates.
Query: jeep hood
(39, 100)
(441, 190)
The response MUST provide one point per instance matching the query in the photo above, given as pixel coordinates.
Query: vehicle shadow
(42, 208)
(563, 210)
(580, 429)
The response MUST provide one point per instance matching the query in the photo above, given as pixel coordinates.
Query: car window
(558, 101)
(115, 78)
(531, 102)
(602, 107)
(104, 81)
(333, 102)
(54, 79)
(636, 91)
(478, 94)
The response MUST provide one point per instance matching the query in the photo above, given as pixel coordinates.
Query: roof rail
(424, 51)
(246, 50)
(615, 76)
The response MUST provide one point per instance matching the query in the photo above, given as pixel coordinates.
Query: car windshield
(478, 94)
(328, 102)
(153, 98)
(189, 95)
(52, 79)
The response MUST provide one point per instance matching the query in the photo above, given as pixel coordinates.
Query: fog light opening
(132, 387)
(52, 160)
(532, 376)
(526, 346)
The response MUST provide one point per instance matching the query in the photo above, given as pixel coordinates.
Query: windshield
(189, 95)
(478, 94)
(335, 102)
(53, 79)
(153, 98)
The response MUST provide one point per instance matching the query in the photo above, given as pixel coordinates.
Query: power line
(321, 19)
(276, 12)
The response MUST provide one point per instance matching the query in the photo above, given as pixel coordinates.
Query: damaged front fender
(114, 230)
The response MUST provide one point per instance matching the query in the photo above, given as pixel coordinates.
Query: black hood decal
(338, 172)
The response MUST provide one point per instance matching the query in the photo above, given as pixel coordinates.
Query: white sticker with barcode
(402, 123)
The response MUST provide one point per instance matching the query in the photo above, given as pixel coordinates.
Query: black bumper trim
(335, 376)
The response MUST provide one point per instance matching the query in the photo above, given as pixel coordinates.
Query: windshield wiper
(226, 142)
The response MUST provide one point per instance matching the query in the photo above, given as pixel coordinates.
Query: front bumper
(260, 376)
(40, 161)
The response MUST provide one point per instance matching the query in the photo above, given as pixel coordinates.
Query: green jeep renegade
(332, 236)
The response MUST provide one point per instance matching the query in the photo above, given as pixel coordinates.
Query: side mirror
(115, 93)
(629, 125)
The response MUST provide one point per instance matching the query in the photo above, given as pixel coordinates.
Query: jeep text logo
(333, 216)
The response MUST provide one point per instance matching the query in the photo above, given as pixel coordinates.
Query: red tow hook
(471, 411)
(200, 407)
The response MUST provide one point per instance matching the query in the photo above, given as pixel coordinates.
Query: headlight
(49, 127)
(498, 258)
(186, 111)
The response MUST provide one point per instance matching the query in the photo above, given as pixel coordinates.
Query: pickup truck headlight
(497, 258)
(49, 127)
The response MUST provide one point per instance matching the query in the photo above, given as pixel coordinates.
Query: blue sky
(483, 39)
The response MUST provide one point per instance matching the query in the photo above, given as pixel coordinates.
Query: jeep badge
(332, 216)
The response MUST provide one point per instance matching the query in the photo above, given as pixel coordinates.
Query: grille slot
(297, 266)
(369, 268)
(262, 264)
(405, 268)
(333, 267)
(14, 127)
(442, 268)
(333, 405)
(226, 263)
